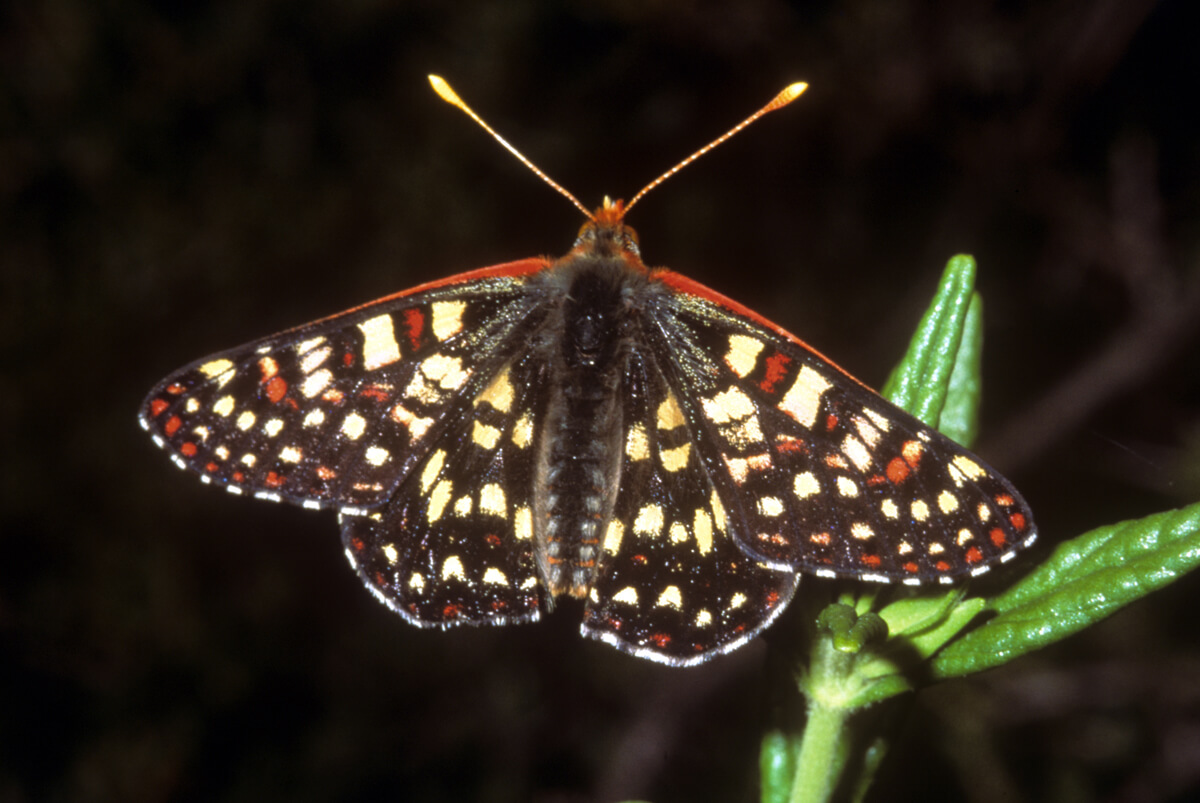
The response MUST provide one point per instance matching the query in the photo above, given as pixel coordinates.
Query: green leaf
(960, 414)
(918, 627)
(777, 766)
(1084, 581)
(921, 382)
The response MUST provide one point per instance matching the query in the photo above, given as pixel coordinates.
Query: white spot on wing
(379, 342)
(627, 595)
(491, 500)
(649, 522)
(806, 485)
(453, 568)
(353, 426)
(803, 399)
(670, 598)
(613, 535)
(447, 318)
(494, 576)
(743, 354)
(316, 382)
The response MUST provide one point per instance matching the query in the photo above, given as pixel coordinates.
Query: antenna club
(444, 91)
(789, 93)
(792, 91)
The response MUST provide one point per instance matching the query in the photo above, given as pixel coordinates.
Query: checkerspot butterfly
(592, 428)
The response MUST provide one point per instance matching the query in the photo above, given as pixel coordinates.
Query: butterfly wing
(671, 584)
(454, 543)
(339, 411)
(816, 471)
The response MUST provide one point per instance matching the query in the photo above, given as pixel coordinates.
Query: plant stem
(823, 751)
(826, 740)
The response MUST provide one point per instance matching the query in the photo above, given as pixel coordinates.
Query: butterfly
(590, 428)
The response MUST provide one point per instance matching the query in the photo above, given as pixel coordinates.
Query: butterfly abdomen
(579, 454)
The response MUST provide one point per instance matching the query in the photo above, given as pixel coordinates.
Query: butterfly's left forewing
(339, 411)
(817, 472)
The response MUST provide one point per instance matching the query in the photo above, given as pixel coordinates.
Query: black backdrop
(177, 178)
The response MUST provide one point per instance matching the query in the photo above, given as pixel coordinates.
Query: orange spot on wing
(871, 560)
(157, 406)
(1004, 499)
(414, 320)
(788, 445)
(211, 467)
(831, 421)
(776, 370)
(172, 426)
(175, 388)
(274, 480)
(911, 567)
(375, 392)
(835, 460)
(1018, 520)
(998, 537)
(326, 473)
(276, 388)
(973, 555)
(897, 470)
(943, 566)
(188, 449)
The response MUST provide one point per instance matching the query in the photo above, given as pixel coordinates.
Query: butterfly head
(606, 234)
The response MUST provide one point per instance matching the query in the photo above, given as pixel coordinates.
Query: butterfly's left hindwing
(672, 584)
(337, 412)
(816, 471)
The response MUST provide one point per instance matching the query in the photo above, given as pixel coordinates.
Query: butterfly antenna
(450, 96)
(785, 97)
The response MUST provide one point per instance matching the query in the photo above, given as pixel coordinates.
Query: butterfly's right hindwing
(455, 543)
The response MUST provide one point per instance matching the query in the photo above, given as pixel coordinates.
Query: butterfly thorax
(586, 346)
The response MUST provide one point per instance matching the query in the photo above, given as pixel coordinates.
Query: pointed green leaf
(1084, 581)
(777, 766)
(960, 414)
(920, 383)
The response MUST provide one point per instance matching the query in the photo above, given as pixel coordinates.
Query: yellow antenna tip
(444, 91)
(793, 91)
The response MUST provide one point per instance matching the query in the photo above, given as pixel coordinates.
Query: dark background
(180, 177)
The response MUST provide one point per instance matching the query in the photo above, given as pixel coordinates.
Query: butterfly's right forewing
(339, 411)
